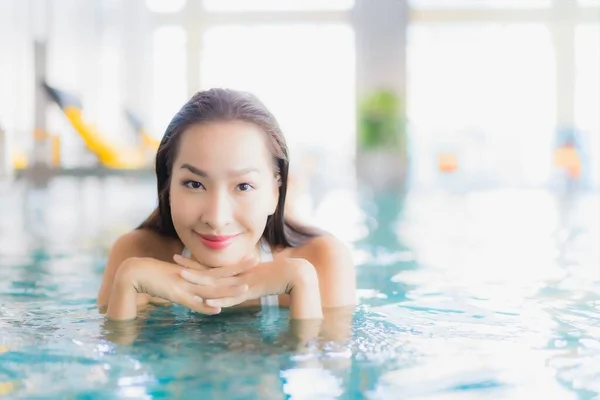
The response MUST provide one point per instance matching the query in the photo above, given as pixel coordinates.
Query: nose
(218, 210)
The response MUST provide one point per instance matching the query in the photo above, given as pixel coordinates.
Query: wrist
(122, 304)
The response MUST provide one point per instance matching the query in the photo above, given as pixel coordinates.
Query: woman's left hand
(293, 276)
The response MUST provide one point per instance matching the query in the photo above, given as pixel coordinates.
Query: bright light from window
(169, 75)
(445, 4)
(165, 6)
(109, 94)
(587, 94)
(276, 5)
(303, 73)
(486, 93)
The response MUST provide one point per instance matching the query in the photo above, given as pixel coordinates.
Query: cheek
(254, 210)
(180, 209)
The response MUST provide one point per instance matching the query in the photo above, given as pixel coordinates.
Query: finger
(228, 282)
(208, 287)
(188, 263)
(197, 277)
(198, 304)
(229, 271)
(249, 261)
(221, 292)
(183, 295)
(225, 301)
(245, 263)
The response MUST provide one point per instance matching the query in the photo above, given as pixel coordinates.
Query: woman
(219, 237)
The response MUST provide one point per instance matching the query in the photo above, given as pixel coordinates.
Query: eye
(193, 185)
(244, 187)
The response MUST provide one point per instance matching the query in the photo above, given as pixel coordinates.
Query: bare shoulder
(144, 243)
(321, 246)
(137, 243)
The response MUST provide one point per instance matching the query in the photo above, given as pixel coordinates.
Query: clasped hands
(207, 290)
(215, 288)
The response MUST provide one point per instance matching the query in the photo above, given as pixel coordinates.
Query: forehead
(220, 144)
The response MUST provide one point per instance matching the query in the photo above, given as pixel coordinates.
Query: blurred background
(454, 145)
(376, 98)
(419, 93)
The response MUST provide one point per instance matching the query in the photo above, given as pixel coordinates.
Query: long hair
(226, 105)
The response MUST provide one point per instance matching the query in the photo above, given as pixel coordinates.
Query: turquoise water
(491, 294)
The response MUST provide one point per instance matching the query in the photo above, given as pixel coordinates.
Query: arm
(303, 289)
(335, 270)
(321, 275)
(123, 304)
(293, 276)
(130, 245)
(136, 268)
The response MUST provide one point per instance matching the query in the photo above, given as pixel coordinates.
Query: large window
(587, 96)
(303, 73)
(16, 108)
(485, 92)
(494, 4)
(169, 79)
(277, 5)
(165, 6)
(109, 97)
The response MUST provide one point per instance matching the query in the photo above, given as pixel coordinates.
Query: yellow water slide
(109, 154)
(148, 142)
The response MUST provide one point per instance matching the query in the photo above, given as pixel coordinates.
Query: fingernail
(185, 274)
(198, 299)
(209, 303)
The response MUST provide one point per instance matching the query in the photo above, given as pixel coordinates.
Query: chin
(215, 260)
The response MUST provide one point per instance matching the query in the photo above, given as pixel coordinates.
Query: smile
(215, 242)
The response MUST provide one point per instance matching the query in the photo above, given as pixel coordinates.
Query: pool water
(489, 294)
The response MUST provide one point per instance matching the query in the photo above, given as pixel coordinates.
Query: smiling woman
(219, 236)
(223, 188)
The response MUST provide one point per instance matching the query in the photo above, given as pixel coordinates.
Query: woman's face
(223, 187)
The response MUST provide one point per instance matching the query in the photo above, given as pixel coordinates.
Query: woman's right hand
(163, 280)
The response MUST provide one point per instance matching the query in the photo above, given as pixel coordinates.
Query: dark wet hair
(226, 105)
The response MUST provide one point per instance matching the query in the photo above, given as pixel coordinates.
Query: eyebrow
(203, 174)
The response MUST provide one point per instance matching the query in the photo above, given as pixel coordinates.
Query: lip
(216, 242)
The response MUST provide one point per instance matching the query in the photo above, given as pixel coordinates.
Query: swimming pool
(490, 294)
